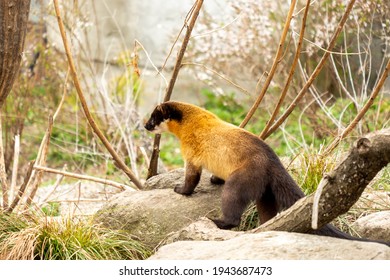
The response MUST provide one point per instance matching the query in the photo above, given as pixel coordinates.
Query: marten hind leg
(191, 180)
(235, 199)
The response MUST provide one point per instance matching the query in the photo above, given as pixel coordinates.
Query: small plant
(51, 209)
(46, 238)
(312, 167)
(383, 180)
(250, 219)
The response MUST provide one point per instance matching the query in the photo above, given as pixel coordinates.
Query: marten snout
(156, 126)
(149, 125)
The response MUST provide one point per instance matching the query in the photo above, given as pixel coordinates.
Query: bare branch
(316, 71)
(183, 48)
(119, 162)
(362, 112)
(59, 179)
(22, 188)
(156, 150)
(41, 159)
(188, 16)
(219, 75)
(341, 189)
(137, 43)
(84, 177)
(291, 73)
(274, 66)
(3, 174)
(15, 166)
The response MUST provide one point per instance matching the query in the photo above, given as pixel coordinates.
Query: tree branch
(315, 73)
(3, 173)
(274, 66)
(83, 177)
(291, 73)
(119, 162)
(156, 150)
(342, 187)
(362, 112)
(22, 188)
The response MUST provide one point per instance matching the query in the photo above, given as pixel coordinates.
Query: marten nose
(149, 126)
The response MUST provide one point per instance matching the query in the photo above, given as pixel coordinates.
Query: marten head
(161, 115)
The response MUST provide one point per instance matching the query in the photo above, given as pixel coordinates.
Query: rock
(374, 226)
(274, 246)
(168, 180)
(154, 213)
(201, 230)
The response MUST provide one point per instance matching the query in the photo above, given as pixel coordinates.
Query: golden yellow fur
(205, 149)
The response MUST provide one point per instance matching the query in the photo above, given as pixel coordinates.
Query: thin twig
(22, 188)
(15, 166)
(208, 33)
(291, 73)
(156, 150)
(84, 177)
(362, 112)
(63, 96)
(316, 201)
(346, 53)
(274, 66)
(119, 162)
(183, 48)
(3, 174)
(34, 177)
(219, 75)
(188, 16)
(78, 200)
(315, 73)
(150, 60)
(56, 184)
(41, 159)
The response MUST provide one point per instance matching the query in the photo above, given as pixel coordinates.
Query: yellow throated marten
(249, 168)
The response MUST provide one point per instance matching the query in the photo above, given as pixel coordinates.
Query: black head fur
(163, 112)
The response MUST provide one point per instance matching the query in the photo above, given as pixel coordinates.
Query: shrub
(45, 238)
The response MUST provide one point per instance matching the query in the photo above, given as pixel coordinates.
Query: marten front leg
(191, 180)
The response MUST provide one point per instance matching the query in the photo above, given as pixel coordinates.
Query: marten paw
(216, 180)
(223, 225)
(182, 191)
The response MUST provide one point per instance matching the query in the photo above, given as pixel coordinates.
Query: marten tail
(285, 190)
(332, 231)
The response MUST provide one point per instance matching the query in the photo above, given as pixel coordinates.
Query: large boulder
(374, 226)
(268, 245)
(156, 212)
(158, 215)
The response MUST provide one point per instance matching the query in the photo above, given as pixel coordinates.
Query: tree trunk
(341, 189)
(13, 26)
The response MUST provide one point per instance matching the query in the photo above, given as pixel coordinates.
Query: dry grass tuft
(45, 238)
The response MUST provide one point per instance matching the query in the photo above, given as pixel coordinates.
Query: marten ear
(171, 112)
(163, 112)
(162, 109)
